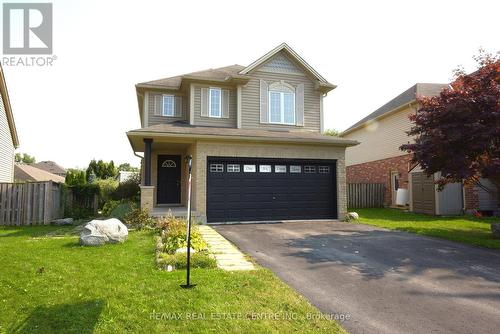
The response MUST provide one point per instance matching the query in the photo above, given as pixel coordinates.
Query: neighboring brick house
(8, 134)
(378, 159)
(255, 135)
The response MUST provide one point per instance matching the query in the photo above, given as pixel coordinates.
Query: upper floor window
(168, 105)
(281, 104)
(214, 102)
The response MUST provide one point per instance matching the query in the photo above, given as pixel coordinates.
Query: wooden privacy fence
(30, 203)
(365, 195)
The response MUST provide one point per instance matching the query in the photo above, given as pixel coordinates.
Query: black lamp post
(188, 284)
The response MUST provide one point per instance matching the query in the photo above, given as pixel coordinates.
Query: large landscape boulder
(99, 232)
(495, 229)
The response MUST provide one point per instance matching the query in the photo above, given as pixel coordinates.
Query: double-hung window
(215, 102)
(168, 106)
(281, 104)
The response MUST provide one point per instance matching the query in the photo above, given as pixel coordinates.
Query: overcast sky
(81, 107)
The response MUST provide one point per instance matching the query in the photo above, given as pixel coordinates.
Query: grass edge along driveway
(464, 229)
(48, 283)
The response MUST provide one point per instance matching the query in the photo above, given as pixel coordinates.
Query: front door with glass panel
(169, 179)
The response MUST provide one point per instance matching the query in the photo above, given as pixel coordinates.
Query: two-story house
(8, 134)
(255, 135)
(378, 159)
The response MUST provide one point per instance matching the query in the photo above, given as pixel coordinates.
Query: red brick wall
(471, 198)
(379, 171)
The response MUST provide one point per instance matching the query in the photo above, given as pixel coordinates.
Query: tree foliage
(458, 132)
(126, 167)
(25, 158)
(75, 177)
(101, 170)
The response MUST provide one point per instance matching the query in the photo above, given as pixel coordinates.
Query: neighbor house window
(168, 105)
(295, 169)
(232, 168)
(216, 168)
(281, 104)
(214, 102)
(280, 169)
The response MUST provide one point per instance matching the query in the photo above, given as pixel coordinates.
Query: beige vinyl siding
(6, 147)
(381, 139)
(152, 119)
(250, 101)
(213, 121)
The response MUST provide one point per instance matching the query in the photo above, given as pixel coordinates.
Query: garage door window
(265, 168)
(324, 169)
(280, 169)
(216, 168)
(249, 168)
(295, 169)
(232, 168)
(309, 169)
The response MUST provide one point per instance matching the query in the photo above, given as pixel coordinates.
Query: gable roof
(237, 72)
(8, 109)
(294, 55)
(408, 96)
(33, 174)
(50, 166)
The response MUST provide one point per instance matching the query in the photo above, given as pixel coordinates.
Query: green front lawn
(464, 229)
(50, 284)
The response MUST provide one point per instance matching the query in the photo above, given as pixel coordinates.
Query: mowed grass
(464, 229)
(50, 284)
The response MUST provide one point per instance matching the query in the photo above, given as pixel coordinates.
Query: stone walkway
(228, 257)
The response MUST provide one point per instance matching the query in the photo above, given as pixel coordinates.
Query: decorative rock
(98, 232)
(353, 215)
(495, 229)
(63, 221)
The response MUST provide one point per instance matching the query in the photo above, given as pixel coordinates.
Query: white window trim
(163, 105)
(210, 103)
(282, 107)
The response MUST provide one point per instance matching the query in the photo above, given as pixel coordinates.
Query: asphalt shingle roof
(419, 89)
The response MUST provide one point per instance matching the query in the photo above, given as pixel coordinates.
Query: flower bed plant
(172, 243)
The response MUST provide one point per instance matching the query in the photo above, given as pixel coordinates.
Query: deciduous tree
(458, 132)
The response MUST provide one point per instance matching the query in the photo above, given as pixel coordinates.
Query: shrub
(79, 200)
(139, 218)
(179, 260)
(109, 206)
(107, 188)
(175, 234)
(129, 189)
(122, 210)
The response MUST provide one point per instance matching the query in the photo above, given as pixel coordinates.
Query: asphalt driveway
(383, 281)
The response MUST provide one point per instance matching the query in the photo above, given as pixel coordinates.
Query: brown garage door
(423, 194)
